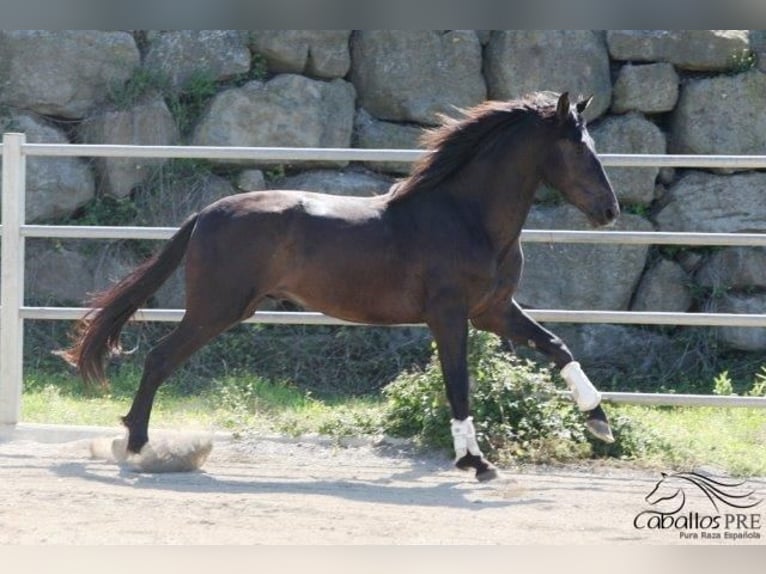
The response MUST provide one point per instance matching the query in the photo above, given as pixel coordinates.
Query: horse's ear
(581, 106)
(563, 107)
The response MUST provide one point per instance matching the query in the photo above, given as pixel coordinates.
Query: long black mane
(456, 141)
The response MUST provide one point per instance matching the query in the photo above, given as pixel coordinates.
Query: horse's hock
(331, 80)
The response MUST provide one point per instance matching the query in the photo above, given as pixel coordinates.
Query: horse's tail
(98, 333)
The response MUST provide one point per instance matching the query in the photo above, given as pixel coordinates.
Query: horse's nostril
(611, 213)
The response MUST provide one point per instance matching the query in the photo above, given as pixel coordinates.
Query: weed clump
(519, 412)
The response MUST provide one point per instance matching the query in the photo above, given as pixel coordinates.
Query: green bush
(633, 440)
(516, 406)
(518, 411)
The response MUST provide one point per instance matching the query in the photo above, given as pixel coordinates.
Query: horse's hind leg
(212, 307)
(515, 325)
(160, 363)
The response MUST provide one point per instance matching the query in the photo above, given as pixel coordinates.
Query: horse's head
(665, 491)
(572, 166)
(671, 490)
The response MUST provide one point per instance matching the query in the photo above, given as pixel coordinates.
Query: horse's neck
(506, 196)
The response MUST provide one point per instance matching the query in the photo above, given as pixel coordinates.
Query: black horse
(440, 248)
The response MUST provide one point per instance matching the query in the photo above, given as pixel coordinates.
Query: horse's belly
(368, 296)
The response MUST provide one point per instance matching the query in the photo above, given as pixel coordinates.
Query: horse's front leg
(511, 322)
(449, 326)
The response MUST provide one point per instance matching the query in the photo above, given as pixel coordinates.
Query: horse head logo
(670, 491)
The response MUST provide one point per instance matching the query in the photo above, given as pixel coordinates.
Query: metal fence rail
(349, 154)
(527, 235)
(544, 315)
(15, 231)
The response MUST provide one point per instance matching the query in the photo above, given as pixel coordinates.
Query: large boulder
(758, 46)
(370, 133)
(187, 190)
(353, 181)
(58, 275)
(183, 193)
(664, 287)
(69, 272)
(700, 50)
(604, 349)
(147, 123)
(316, 53)
(709, 203)
(287, 111)
(630, 134)
(180, 54)
(576, 61)
(56, 186)
(65, 73)
(734, 268)
(580, 276)
(721, 115)
(742, 338)
(411, 76)
(648, 88)
(251, 180)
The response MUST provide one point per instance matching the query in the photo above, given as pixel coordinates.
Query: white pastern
(464, 438)
(585, 394)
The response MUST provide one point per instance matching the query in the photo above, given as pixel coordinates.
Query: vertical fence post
(12, 279)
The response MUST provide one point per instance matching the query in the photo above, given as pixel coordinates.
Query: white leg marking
(585, 394)
(464, 437)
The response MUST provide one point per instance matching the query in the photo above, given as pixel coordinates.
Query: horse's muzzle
(605, 216)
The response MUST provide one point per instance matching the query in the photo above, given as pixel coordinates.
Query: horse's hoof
(484, 470)
(136, 445)
(468, 462)
(487, 475)
(600, 429)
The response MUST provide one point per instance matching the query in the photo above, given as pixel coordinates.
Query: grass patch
(239, 403)
(61, 399)
(727, 438)
(328, 381)
(662, 438)
(248, 403)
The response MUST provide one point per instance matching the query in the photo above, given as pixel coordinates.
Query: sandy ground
(275, 491)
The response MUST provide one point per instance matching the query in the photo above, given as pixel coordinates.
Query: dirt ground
(275, 491)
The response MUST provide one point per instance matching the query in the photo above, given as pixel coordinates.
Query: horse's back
(337, 254)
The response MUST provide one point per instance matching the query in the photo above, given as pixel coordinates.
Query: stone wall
(655, 91)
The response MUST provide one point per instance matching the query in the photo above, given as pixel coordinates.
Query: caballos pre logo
(696, 506)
